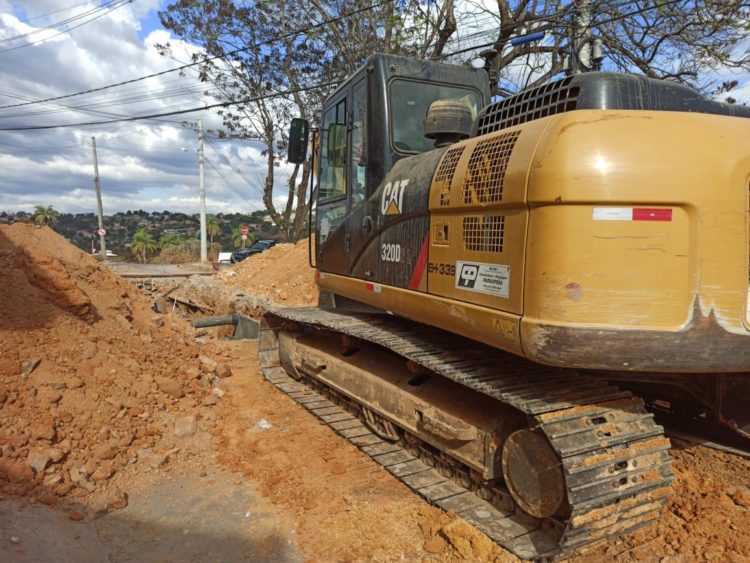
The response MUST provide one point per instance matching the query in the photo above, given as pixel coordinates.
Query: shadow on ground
(216, 518)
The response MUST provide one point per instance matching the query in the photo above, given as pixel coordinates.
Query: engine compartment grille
(486, 171)
(484, 233)
(550, 99)
(445, 173)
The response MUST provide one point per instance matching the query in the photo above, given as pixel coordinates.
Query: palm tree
(212, 227)
(45, 215)
(169, 241)
(142, 243)
(237, 238)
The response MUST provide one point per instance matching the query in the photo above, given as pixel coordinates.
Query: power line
(52, 13)
(60, 23)
(207, 59)
(121, 3)
(566, 12)
(231, 187)
(211, 144)
(178, 112)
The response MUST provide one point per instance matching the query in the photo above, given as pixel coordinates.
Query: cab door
(331, 241)
(361, 238)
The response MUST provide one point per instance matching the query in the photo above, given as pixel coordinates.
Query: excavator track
(614, 458)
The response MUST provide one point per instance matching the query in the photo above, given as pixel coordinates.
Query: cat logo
(393, 197)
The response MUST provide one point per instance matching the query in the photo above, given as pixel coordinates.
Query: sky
(150, 165)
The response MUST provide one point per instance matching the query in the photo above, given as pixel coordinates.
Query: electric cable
(60, 23)
(207, 59)
(178, 112)
(119, 5)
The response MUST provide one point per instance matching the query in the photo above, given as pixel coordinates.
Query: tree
(260, 49)
(273, 60)
(169, 241)
(45, 215)
(212, 227)
(142, 243)
(237, 238)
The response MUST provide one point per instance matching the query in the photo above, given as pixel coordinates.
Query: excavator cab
(370, 122)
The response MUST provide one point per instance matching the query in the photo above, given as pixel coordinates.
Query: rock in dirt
(223, 371)
(208, 365)
(150, 458)
(435, 545)
(741, 497)
(74, 383)
(16, 471)
(43, 430)
(30, 367)
(38, 460)
(116, 499)
(102, 472)
(97, 507)
(105, 452)
(170, 387)
(185, 426)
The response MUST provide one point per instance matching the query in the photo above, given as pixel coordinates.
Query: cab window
(333, 153)
(358, 161)
(409, 102)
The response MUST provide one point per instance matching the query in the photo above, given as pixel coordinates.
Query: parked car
(257, 247)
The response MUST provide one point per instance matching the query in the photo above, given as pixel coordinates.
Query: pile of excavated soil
(95, 387)
(281, 274)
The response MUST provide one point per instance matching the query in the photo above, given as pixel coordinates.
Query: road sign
(101, 232)
(245, 230)
(244, 237)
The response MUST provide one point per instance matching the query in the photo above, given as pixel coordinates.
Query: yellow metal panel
(608, 272)
(640, 274)
(464, 233)
(495, 328)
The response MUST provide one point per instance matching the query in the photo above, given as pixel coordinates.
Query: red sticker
(644, 214)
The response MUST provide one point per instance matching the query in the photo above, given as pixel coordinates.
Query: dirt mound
(93, 385)
(281, 274)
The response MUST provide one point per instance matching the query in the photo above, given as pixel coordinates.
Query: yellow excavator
(513, 288)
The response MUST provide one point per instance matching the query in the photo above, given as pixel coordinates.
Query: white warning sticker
(612, 214)
(492, 279)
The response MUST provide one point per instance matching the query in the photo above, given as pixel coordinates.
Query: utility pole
(102, 232)
(204, 247)
(582, 41)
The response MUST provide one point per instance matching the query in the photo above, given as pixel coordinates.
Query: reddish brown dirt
(281, 274)
(346, 506)
(112, 378)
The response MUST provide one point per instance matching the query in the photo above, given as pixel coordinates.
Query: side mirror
(299, 134)
(336, 145)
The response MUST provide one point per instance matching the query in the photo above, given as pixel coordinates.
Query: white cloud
(142, 164)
